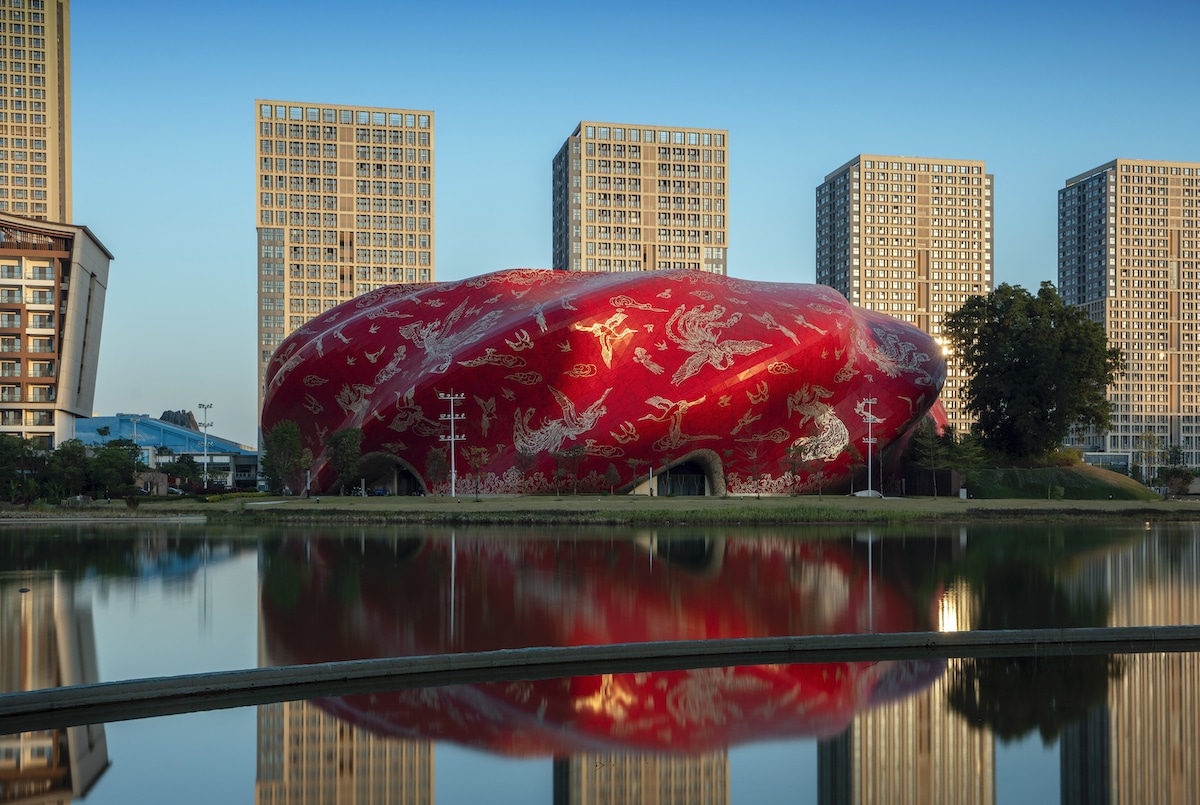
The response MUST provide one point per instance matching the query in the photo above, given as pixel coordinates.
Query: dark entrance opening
(686, 479)
(385, 475)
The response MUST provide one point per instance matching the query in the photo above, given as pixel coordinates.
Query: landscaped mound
(1078, 482)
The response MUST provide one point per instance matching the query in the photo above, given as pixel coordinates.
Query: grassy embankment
(1080, 482)
(1042, 494)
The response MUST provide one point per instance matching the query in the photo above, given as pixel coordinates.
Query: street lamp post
(865, 408)
(204, 407)
(452, 417)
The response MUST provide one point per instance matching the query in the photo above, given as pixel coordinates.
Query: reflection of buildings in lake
(47, 641)
(1143, 744)
(306, 755)
(916, 749)
(646, 779)
(913, 750)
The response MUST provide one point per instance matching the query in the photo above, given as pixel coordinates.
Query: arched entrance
(386, 474)
(688, 478)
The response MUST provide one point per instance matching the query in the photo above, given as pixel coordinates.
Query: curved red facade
(633, 369)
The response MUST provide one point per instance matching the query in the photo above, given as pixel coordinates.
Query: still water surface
(105, 604)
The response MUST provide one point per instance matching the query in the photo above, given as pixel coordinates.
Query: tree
(10, 457)
(184, 468)
(112, 469)
(635, 464)
(753, 458)
(345, 449)
(566, 465)
(795, 461)
(612, 477)
(524, 463)
(1147, 450)
(284, 457)
(925, 449)
(1177, 479)
(69, 466)
(967, 453)
(477, 459)
(1035, 367)
(28, 463)
(437, 466)
(1176, 476)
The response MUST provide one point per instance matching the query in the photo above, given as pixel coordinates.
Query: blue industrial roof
(146, 431)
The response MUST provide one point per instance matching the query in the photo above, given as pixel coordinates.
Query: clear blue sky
(164, 131)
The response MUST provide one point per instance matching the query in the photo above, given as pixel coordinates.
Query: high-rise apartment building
(306, 756)
(1128, 254)
(35, 109)
(621, 778)
(345, 205)
(639, 198)
(53, 281)
(911, 237)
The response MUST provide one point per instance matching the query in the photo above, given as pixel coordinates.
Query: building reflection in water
(656, 737)
(1137, 739)
(47, 640)
(307, 756)
(914, 750)
(631, 778)
(1143, 743)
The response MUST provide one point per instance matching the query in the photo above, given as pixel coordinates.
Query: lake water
(89, 603)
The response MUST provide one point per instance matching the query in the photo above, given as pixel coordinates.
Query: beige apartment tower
(345, 205)
(53, 283)
(1129, 254)
(911, 237)
(35, 109)
(640, 198)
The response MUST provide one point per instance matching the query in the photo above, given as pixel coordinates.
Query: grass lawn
(630, 509)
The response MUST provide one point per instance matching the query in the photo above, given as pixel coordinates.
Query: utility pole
(204, 407)
(865, 411)
(452, 417)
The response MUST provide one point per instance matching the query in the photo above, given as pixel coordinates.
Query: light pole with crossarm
(204, 407)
